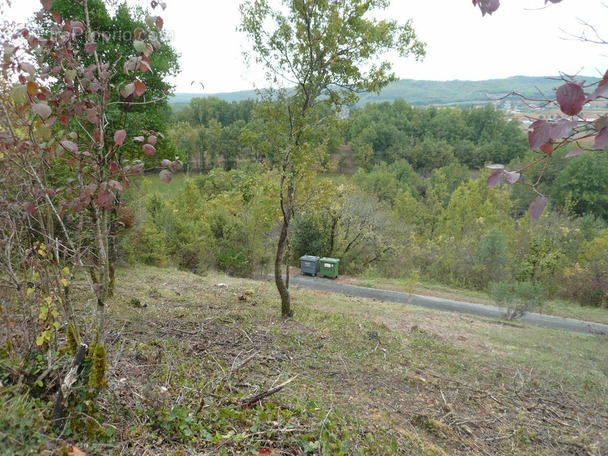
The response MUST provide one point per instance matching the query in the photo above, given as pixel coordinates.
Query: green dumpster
(328, 267)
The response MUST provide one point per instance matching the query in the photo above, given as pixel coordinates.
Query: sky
(522, 38)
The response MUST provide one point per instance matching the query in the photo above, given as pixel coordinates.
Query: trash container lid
(309, 258)
(330, 260)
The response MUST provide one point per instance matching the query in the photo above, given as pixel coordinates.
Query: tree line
(210, 132)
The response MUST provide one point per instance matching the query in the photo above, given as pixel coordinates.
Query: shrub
(147, 246)
(584, 287)
(234, 261)
(516, 297)
(309, 238)
(189, 259)
(492, 253)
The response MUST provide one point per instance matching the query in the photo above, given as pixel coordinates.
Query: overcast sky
(522, 38)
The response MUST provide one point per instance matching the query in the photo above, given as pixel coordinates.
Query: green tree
(387, 181)
(438, 189)
(584, 182)
(186, 140)
(331, 51)
(114, 32)
(473, 210)
(473, 207)
(430, 154)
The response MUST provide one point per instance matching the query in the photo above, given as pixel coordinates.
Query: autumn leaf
(137, 168)
(571, 98)
(90, 47)
(495, 178)
(76, 452)
(32, 88)
(512, 177)
(166, 176)
(601, 141)
(575, 152)
(19, 93)
(547, 148)
(150, 20)
(149, 149)
(113, 167)
(28, 68)
(120, 136)
(29, 208)
(128, 90)
(487, 6)
(139, 88)
(70, 146)
(537, 207)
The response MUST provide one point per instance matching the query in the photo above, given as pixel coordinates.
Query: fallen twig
(265, 394)
(242, 363)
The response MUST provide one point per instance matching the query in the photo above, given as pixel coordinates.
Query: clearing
(187, 356)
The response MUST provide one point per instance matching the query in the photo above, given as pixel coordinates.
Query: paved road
(481, 310)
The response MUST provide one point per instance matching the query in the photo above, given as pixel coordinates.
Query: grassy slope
(372, 378)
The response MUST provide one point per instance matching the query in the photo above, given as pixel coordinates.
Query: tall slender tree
(327, 52)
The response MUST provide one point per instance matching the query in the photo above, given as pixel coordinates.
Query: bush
(190, 258)
(234, 261)
(584, 287)
(492, 253)
(309, 238)
(147, 246)
(516, 297)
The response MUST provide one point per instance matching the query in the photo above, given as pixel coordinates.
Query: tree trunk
(287, 258)
(66, 386)
(286, 206)
(332, 236)
(102, 269)
(113, 249)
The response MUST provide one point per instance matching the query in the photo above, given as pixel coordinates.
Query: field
(191, 358)
(151, 182)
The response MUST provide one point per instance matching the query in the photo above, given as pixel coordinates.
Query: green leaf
(19, 93)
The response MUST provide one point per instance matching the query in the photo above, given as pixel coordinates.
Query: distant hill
(426, 93)
(180, 99)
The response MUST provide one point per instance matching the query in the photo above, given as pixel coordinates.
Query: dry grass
(438, 383)
(370, 378)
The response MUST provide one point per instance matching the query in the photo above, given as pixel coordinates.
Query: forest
(151, 298)
(417, 203)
